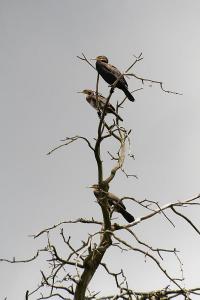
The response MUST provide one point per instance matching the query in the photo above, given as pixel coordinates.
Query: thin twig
(71, 140)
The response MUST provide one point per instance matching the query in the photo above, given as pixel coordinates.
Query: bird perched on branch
(110, 74)
(98, 103)
(113, 201)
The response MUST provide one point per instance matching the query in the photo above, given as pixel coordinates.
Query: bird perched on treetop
(113, 201)
(110, 74)
(98, 103)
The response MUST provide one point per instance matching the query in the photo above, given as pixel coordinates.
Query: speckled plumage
(99, 102)
(113, 201)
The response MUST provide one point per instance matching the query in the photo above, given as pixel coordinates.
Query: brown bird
(99, 102)
(114, 201)
(110, 74)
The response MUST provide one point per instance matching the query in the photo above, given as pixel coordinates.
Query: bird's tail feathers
(128, 94)
(117, 116)
(127, 216)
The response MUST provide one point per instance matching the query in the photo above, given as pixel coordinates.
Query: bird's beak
(80, 92)
(93, 59)
(89, 187)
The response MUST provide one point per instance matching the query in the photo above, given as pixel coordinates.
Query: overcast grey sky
(39, 78)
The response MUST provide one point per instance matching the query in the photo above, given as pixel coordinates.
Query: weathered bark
(94, 259)
(91, 264)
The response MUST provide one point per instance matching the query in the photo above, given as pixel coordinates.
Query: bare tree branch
(71, 267)
(166, 206)
(153, 81)
(185, 218)
(70, 140)
(79, 220)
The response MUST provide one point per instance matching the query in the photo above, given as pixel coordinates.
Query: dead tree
(69, 276)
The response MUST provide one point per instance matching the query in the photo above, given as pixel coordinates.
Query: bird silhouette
(98, 103)
(110, 74)
(114, 201)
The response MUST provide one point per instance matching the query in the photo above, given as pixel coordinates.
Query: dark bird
(98, 103)
(110, 74)
(113, 201)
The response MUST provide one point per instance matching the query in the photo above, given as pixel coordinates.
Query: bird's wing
(116, 201)
(103, 100)
(92, 101)
(110, 74)
(117, 74)
(114, 70)
(106, 72)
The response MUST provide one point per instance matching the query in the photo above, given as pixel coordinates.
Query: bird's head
(87, 92)
(94, 187)
(102, 58)
(103, 187)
